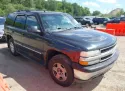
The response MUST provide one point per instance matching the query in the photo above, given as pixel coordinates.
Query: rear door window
(20, 21)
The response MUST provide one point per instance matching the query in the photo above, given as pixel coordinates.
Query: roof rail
(23, 11)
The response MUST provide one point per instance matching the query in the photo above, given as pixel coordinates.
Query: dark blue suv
(60, 43)
(100, 20)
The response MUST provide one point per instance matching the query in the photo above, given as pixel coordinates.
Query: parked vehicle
(2, 20)
(61, 44)
(84, 21)
(89, 18)
(100, 20)
(115, 20)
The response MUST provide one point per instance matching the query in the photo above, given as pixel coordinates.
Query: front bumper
(88, 72)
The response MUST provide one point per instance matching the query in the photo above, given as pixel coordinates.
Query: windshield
(59, 22)
(2, 20)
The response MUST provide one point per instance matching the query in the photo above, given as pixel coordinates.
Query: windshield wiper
(78, 27)
(74, 28)
(59, 29)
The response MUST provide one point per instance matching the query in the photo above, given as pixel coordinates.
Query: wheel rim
(12, 47)
(59, 72)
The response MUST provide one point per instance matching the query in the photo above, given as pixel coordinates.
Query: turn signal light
(83, 63)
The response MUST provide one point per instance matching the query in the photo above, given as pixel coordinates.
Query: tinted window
(20, 22)
(10, 19)
(31, 21)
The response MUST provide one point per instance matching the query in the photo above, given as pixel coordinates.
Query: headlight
(90, 53)
(85, 55)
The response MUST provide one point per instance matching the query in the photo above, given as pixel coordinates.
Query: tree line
(8, 6)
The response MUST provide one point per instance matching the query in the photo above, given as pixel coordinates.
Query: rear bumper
(89, 72)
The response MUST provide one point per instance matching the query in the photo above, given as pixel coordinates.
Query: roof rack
(23, 11)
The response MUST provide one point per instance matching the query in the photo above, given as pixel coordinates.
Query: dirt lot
(24, 75)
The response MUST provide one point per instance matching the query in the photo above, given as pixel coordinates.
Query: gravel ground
(24, 75)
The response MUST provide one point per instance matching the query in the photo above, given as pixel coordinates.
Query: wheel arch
(51, 53)
(8, 37)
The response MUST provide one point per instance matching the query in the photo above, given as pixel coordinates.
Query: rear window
(10, 19)
(20, 22)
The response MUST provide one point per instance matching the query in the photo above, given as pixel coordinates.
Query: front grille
(107, 49)
(105, 54)
(108, 52)
(106, 57)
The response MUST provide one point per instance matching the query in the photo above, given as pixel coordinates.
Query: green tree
(96, 13)
(86, 11)
(75, 8)
(2, 13)
(3, 2)
(7, 6)
(20, 7)
(17, 1)
(69, 8)
(120, 13)
(39, 4)
(9, 9)
(51, 5)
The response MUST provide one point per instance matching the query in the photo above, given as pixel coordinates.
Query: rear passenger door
(18, 30)
(32, 41)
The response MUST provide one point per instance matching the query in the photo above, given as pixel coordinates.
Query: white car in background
(89, 18)
(2, 20)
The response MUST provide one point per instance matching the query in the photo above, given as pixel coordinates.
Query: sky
(105, 6)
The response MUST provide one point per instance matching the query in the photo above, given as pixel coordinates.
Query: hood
(86, 39)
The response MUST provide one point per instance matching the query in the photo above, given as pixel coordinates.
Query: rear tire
(12, 47)
(61, 71)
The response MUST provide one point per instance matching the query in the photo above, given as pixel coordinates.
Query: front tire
(12, 47)
(61, 71)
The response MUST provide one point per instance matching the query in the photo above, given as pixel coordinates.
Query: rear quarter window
(10, 19)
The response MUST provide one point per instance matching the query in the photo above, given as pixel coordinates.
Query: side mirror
(33, 29)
